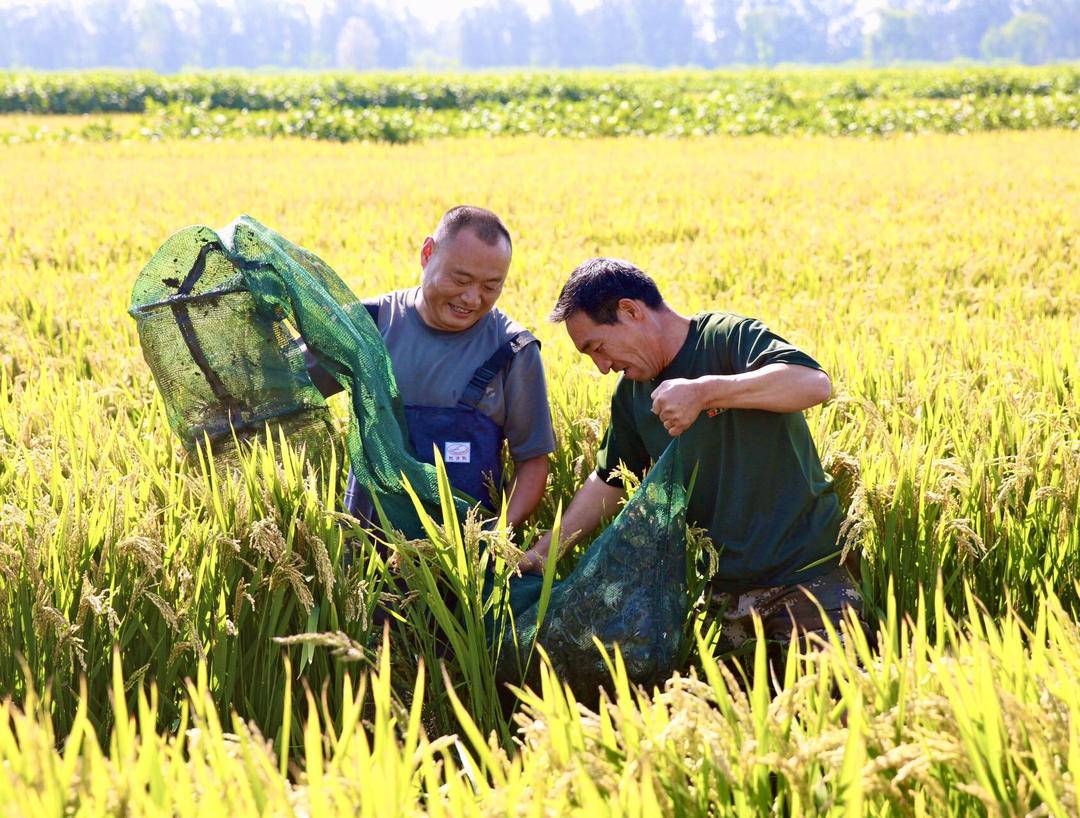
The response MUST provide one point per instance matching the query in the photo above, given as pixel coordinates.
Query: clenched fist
(677, 403)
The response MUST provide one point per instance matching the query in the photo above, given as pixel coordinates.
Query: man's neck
(673, 330)
(422, 309)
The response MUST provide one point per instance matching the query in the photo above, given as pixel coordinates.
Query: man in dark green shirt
(733, 392)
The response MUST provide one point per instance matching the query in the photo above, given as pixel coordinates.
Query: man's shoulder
(504, 324)
(716, 332)
(400, 299)
(506, 328)
(715, 322)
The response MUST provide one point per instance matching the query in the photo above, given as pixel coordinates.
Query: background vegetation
(404, 108)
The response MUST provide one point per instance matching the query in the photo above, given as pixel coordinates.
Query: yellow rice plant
(975, 720)
(936, 279)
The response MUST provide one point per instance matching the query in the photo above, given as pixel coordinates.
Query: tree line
(172, 35)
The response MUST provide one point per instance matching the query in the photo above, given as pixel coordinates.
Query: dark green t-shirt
(760, 490)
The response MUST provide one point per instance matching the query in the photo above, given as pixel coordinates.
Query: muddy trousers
(787, 607)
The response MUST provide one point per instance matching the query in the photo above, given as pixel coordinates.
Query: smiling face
(463, 276)
(631, 345)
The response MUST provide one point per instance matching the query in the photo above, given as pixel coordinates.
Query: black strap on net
(179, 304)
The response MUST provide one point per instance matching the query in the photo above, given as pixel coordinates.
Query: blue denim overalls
(469, 441)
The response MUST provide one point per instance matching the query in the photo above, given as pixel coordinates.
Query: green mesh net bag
(629, 589)
(222, 366)
(214, 311)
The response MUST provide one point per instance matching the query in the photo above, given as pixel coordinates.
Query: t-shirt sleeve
(528, 429)
(367, 305)
(621, 443)
(751, 345)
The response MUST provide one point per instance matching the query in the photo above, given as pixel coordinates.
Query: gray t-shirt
(433, 367)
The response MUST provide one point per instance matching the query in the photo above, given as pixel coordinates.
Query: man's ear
(426, 249)
(630, 309)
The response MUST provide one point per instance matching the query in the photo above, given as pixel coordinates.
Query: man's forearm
(527, 488)
(594, 501)
(773, 388)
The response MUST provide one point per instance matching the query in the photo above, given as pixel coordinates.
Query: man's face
(625, 346)
(462, 279)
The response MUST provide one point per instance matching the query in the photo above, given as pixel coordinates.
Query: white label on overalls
(458, 452)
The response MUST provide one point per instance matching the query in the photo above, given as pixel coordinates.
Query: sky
(437, 10)
(442, 10)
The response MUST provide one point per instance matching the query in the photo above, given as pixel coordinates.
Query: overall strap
(487, 371)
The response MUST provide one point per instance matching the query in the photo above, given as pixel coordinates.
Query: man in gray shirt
(469, 376)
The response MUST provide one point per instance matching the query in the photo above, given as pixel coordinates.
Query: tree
(843, 23)
(498, 34)
(667, 31)
(613, 34)
(168, 35)
(111, 34)
(727, 47)
(46, 35)
(393, 33)
(326, 32)
(900, 35)
(1064, 16)
(210, 41)
(776, 31)
(269, 32)
(159, 41)
(294, 30)
(1025, 38)
(962, 25)
(564, 39)
(358, 46)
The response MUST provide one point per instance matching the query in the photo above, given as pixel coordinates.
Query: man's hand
(536, 557)
(677, 403)
(592, 502)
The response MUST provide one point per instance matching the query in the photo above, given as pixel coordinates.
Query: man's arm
(320, 376)
(593, 502)
(527, 488)
(773, 388)
(529, 432)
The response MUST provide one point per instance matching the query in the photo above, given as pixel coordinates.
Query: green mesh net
(214, 311)
(630, 589)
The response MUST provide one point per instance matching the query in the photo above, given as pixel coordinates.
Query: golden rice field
(937, 278)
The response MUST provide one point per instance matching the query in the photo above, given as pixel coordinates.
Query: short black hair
(596, 286)
(488, 227)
